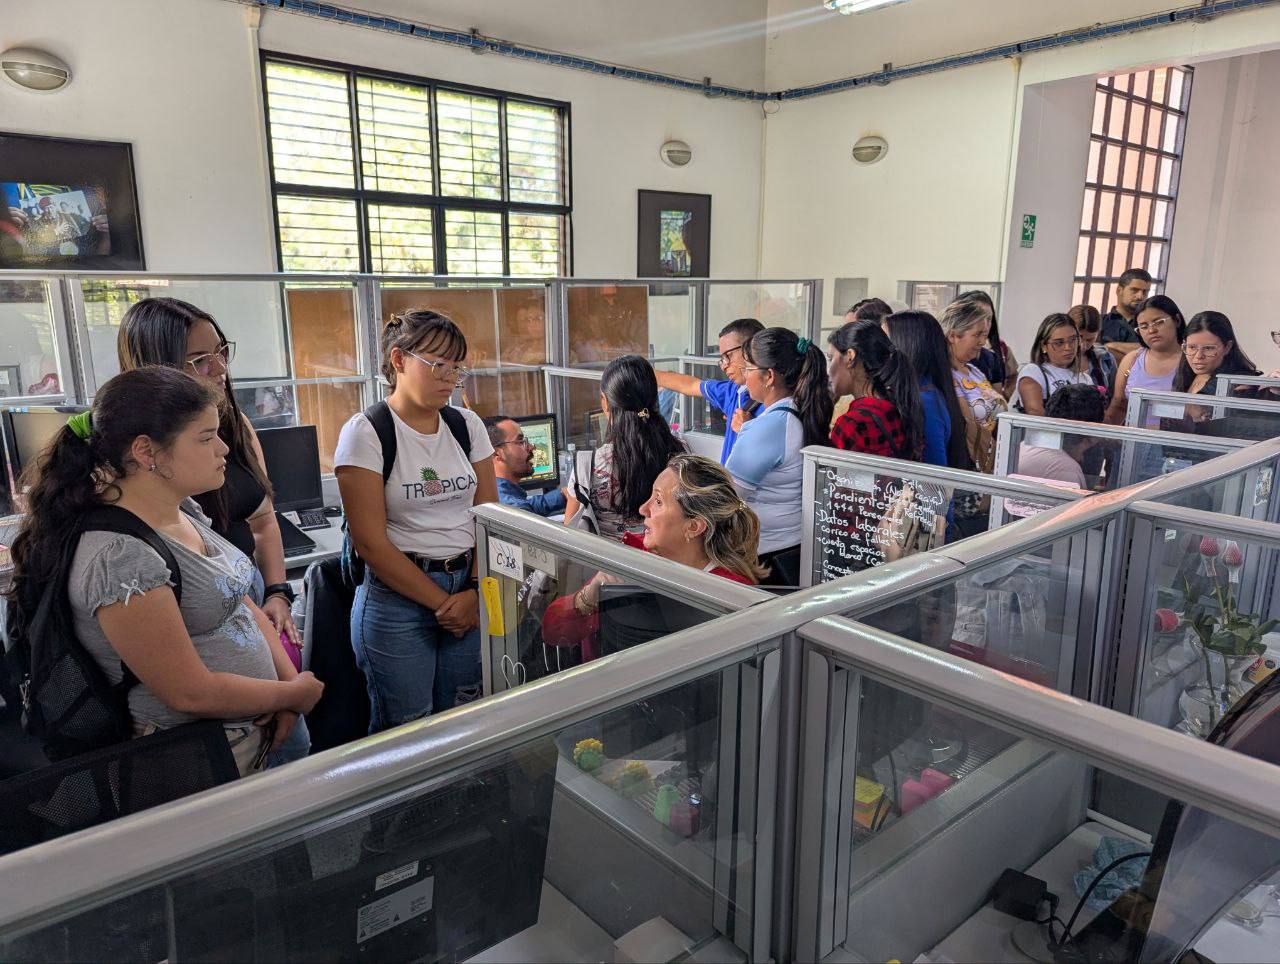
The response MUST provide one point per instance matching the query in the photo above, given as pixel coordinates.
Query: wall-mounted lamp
(34, 70)
(857, 6)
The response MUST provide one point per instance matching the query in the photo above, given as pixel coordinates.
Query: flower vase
(1204, 704)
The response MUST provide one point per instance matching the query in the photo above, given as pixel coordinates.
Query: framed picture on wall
(674, 239)
(68, 204)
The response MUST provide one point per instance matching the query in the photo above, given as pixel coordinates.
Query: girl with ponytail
(787, 375)
(887, 415)
(149, 445)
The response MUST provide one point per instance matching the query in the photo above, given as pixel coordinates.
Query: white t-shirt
(432, 485)
(1057, 378)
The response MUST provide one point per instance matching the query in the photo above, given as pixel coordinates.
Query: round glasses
(207, 363)
(445, 371)
(1207, 351)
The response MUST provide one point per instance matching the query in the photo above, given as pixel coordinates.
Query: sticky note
(492, 594)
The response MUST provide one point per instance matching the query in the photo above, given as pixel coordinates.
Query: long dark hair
(640, 437)
(72, 475)
(154, 331)
(802, 367)
(891, 373)
(1235, 362)
(918, 335)
(1169, 307)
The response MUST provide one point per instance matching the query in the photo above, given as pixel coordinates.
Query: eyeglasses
(753, 368)
(445, 371)
(204, 364)
(727, 356)
(518, 440)
(1208, 351)
(1064, 342)
(1152, 325)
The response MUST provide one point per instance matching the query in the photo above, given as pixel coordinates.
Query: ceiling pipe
(473, 40)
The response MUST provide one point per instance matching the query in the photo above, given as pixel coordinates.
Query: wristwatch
(280, 589)
(472, 583)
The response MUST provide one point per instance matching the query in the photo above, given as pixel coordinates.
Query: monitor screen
(540, 430)
(293, 466)
(28, 430)
(597, 426)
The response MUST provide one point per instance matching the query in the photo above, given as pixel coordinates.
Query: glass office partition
(934, 296)
(608, 319)
(628, 822)
(697, 415)
(556, 598)
(574, 394)
(1261, 387)
(781, 304)
(1238, 418)
(1101, 458)
(926, 790)
(863, 510)
(32, 356)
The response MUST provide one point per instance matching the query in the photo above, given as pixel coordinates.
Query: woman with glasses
(415, 622)
(1161, 328)
(1102, 364)
(1210, 350)
(166, 331)
(1055, 361)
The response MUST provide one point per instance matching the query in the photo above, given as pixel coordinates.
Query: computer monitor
(293, 466)
(540, 430)
(630, 616)
(597, 423)
(27, 430)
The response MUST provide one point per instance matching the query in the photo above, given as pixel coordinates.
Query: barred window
(381, 173)
(1131, 184)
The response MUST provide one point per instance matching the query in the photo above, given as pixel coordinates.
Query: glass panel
(1144, 217)
(1177, 85)
(534, 159)
(1116, 119)
(1119, 258)
(1160, 84)
(249, 313)
(401, 240)
(513, 393)
(1166, 175)
(1078, 294)
(395, 135)
(923, 784)
(522, 326)
(310, 124)
(1111, 165)
(272, 406)
(1095, 153)
(1155, 128)
(1104, 81)
(773, 305)
(474, 310)
(535, 246)
(322, 322)
(318, 234)
(1098, 296)
(1160, 227)
(473, 242)
(1141, 86)
(1087, 211)
(1106, 210)
(1082, 259)
(29, 362)
(1139, 255)
(328, 408)
(1149, 165)
(486, 857)
(933, 298)
(1099, 111)
(1154, 260)
(1124, 216)
(1101, 256)
(470, 153)
(606, 321)
(1129, 172)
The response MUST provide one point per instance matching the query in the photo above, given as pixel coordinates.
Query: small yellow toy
(588, 755)
(635, 779)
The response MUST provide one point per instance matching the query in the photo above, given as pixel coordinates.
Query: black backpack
(379, 416)
(67, 701)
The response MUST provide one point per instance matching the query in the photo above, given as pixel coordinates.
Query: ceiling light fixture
(857, 6)
(34, 70)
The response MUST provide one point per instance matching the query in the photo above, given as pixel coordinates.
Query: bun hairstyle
(704, 490)
(79, 467)
(891, 373)
(640, 438)
(801, 366)
(421, 330)
(1234, 362)
(154, 331)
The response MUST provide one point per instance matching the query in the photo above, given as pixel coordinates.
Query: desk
(328, 546)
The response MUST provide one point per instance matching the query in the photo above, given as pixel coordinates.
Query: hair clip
(643, 413)
(81, 425)
(802, 345)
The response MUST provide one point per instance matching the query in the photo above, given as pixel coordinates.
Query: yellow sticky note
(492, 593)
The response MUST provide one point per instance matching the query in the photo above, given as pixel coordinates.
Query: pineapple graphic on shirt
(431, 483)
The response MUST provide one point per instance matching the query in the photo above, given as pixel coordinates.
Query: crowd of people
(166, 441)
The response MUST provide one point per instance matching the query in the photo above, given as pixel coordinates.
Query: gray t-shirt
(110, 568)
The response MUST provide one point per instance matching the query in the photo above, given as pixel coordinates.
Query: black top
(243, 494)
(1115, 327)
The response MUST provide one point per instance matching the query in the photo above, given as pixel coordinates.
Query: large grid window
(1135, 157)
(390, 174)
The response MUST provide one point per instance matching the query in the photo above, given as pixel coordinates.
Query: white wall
(178, 79)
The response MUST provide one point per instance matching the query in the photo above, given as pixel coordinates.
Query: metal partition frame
(1130, 437)
(1224, 383)
(498, 524)
(1139, 398)
(818, 456)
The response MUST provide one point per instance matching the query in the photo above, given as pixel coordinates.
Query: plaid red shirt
(872, 426)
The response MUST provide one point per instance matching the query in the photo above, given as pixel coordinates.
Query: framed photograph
(674, 239)
(68, 204)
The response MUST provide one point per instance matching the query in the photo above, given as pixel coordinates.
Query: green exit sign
(1028, 230)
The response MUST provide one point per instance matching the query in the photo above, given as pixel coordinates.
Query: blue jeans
(412, 666)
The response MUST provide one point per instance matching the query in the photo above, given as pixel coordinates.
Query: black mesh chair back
(115, 781)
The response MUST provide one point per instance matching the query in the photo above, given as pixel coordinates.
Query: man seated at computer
(729, 396)
(513, 461)
(1080, 403)
(694, 516)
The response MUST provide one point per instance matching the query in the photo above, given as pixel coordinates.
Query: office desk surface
(328, 546)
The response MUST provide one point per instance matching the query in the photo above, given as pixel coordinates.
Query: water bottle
(567, 461)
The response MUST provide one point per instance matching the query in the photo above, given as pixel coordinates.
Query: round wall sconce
(34, 70)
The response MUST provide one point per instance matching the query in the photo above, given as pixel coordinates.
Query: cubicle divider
(1108, 456)
(863, 510)
(1250, 419)
(1262, 387)
(531, 570)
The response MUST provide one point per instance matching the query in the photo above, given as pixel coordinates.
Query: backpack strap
(457, 423)
(379, 416)
(872, 414)
(582, 492)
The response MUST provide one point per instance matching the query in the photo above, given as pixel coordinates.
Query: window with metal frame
(1131, 184)
(383, 173)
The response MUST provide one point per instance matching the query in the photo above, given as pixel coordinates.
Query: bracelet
(580, 605)
(280, 589)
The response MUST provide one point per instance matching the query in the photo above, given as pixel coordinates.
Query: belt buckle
(460, 559)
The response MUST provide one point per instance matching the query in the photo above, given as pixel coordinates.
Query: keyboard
(313, 519)
(292, 552)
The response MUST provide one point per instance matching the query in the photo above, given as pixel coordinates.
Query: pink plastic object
(293, 651)
(913, 794)
(1165, 620)
(936, 781)
(684, 818)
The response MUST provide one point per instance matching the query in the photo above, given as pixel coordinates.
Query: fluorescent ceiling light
(857, 6)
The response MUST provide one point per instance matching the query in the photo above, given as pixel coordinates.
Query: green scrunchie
(802, 345)
(81, 425)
